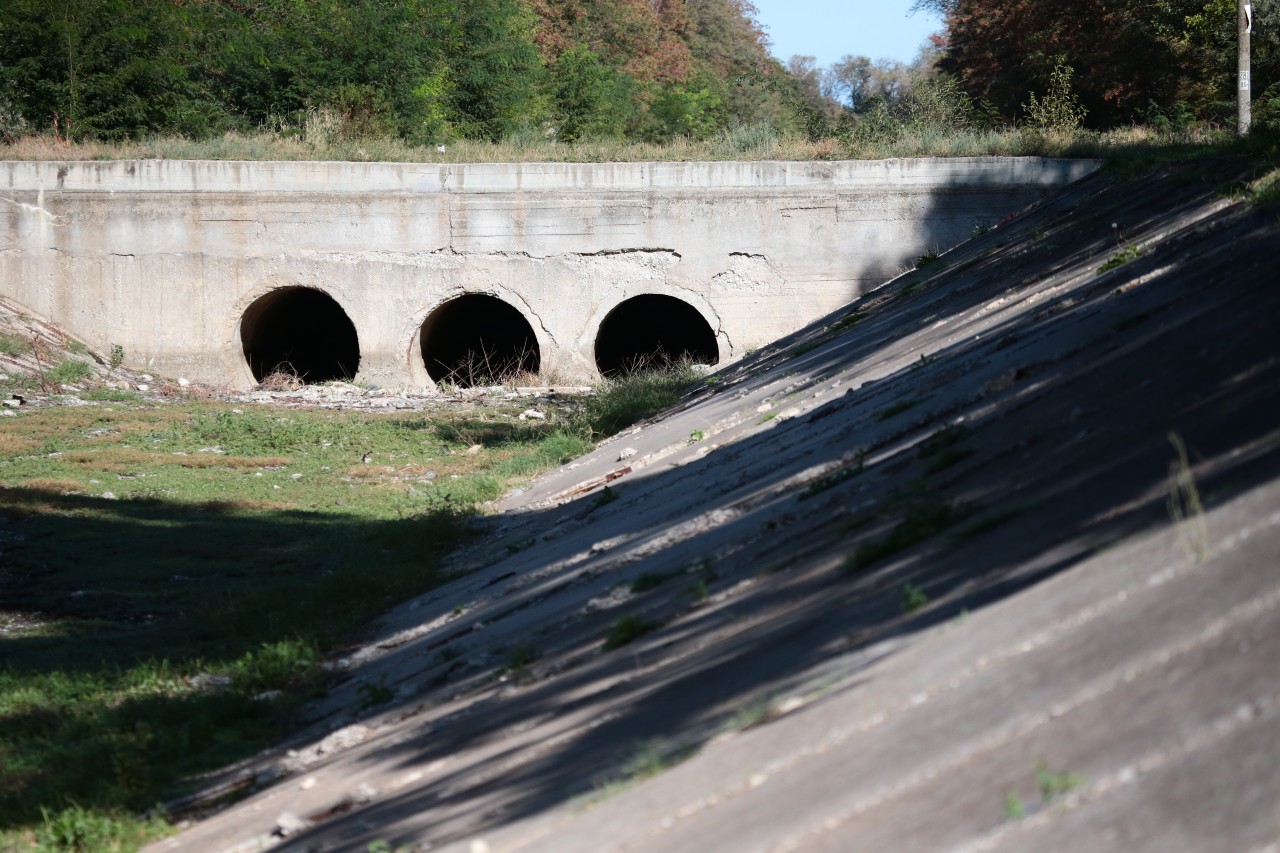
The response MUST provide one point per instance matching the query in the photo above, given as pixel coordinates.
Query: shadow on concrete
(1031, 443)
(1059, 445)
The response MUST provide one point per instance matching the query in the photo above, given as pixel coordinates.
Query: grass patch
(650, 759)
(622, 401)
(835, 478)
(925, 515)
(177, 562)
(111, 395)
(984, 523)
(912, 598)
(652, 580)
(12, 345)
(68, 371)
(1120, 258)
(939, 451)
(627, 630)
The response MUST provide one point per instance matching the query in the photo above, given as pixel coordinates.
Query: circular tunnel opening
(298, 331)
(478, 340)
(653, 331)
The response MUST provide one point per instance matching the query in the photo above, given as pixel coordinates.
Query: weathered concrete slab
(165, 257)
(1068, 597)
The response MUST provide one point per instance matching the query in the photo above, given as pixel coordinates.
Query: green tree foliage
(591, 100)
(424, 70)
(1132, 59)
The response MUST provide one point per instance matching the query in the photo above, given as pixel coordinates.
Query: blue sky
(829, 29)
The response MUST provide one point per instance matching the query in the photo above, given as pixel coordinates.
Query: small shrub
(1060, 109)
(117, 356)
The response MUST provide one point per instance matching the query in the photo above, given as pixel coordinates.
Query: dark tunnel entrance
(478, 340)
(298, 330)
(653, 331)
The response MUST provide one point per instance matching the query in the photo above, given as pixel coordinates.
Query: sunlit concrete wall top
(163, 257)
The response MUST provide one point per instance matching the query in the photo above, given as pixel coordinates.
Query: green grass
(68, 371)
(1120, 258)
(622, 401)
(924, 515)
(169, 564)
(912, 598)
(940, 451)
(627, 630)
(14, 346)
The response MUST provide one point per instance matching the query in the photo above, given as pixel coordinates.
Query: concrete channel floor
(989, 560)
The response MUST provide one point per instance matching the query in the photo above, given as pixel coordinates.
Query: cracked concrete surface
(906, 569)
(389, 242)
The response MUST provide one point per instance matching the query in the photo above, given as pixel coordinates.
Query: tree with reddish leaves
(1004, 49)
(1131, 59)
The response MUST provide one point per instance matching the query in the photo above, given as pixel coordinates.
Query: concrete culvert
(298, 330)
(478, 340)
(653, 331)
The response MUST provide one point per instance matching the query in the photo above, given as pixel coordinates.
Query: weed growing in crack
(628, 629)
(1013, 807)
(372, 695)
(1053, 785)
(939, 451)
(607, 496)
(1185, 508)
(912, 598)
(925, 516)
(896, 409)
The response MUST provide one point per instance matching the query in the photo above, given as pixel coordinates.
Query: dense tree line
(424, 70)
(1167, 61)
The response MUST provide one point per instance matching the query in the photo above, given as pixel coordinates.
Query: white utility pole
(1244, 28)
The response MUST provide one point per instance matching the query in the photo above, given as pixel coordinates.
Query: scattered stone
(183, 381)
(8, 413)
(108, 496)
(290, 824)
(142, 386)
(295, 476)
(532, 414)
(627, 453)
(308, 783)
(13, 403)
(474, 449)
(209, 681)
(146, 377)
(268, 696)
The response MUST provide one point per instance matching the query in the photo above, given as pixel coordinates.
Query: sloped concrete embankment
(989, 560)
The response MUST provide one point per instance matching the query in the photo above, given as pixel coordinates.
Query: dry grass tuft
(53, 485)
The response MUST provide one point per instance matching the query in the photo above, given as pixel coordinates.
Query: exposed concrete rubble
(988, 560)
